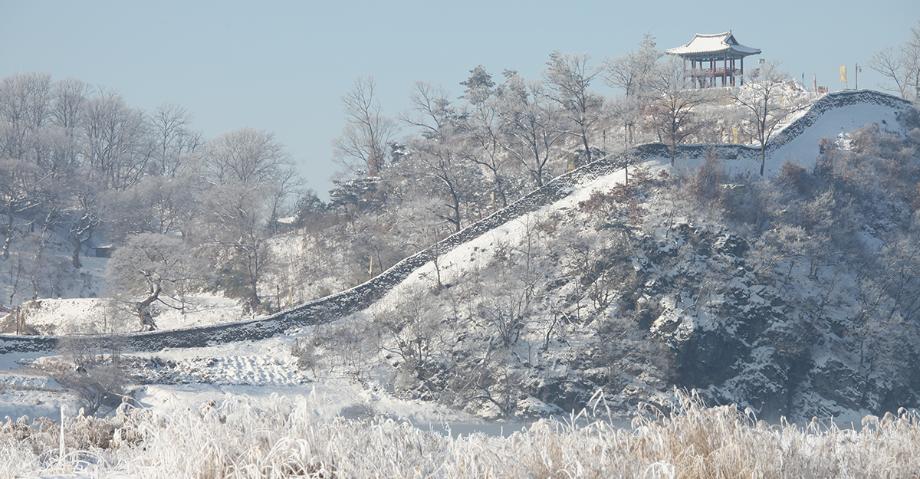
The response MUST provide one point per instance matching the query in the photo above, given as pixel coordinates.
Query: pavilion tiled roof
(715, 44)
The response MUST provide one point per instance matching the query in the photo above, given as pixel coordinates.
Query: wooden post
(712, 72)
(714, 69)
(693, 73)
(684, 59)
(742, 71)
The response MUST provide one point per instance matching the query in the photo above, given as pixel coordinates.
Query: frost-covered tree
(901, 66)
(634, 73)
(414, 332)
(673, 106)
(67, 105)
(21, 192)
(247, 169)
(569, 79)
(441, 154)
(117, 147)
(367, 132)
(151, 269)
(156, 204)
(533, 128)
(81, 215)
(24, 110)
(246, 156)
(766, 107)
(483, 127)
(173, 138)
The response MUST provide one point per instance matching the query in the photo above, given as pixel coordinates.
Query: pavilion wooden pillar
(742, 71)
(733, 71)
(712, 72)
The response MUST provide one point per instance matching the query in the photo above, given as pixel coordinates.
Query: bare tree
(635, 71)
(900, 276)
(532, 128)
(901, 66)
(24, 109)
(441, 152)
(173, 138)
(118, 148)
(673, 105)
(67, 109)
(483, 126)
(412, 331)
(156, 204)
(367, 131)
(244, 156)
(766, 107)
(287, 183)
(569, 78)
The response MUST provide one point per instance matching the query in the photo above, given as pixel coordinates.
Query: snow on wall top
(713, 43)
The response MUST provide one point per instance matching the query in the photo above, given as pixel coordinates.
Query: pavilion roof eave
(714, 55)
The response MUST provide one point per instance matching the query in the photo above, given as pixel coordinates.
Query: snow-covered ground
(103, 315)
(253, 374)
(251, 371)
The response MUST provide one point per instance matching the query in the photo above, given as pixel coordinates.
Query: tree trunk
(254, 302)
(75, 256)
(584, 141)
(672, 149)
(142, 308)
(763, 157)
(498, 190)
(8, 236)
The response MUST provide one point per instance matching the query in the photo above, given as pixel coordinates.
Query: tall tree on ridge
(367, 132)
(569, 78)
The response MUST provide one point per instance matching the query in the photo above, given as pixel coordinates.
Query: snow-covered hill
(552, 362)
(662, 293)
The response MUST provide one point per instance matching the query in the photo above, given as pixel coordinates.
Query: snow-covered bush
(91, 368)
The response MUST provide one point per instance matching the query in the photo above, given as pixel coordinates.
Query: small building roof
(713, 45)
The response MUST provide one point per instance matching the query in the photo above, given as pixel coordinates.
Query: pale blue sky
(283, 66)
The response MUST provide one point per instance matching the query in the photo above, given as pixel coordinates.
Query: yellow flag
(736, 135)
(843, 73)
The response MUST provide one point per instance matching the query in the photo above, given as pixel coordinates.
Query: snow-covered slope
(240, 355)
(730, 342)
(799, 142)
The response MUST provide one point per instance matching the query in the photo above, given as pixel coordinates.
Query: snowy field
(67, 316)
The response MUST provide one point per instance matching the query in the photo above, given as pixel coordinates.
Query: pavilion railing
(714, 72)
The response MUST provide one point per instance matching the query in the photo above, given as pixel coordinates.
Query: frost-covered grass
(284, 438)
